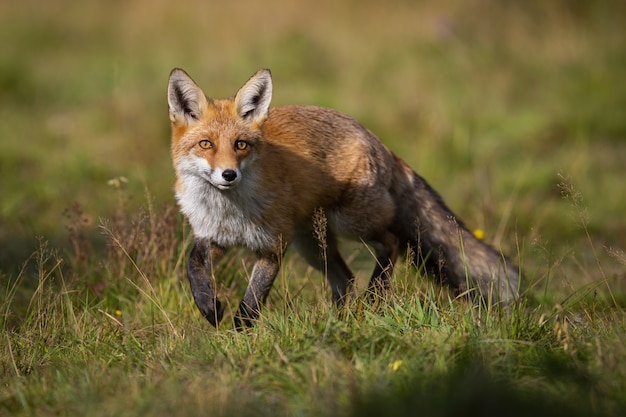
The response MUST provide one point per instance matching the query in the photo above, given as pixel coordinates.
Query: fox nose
(229, 175)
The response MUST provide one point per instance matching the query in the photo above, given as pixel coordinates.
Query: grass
(137, 345)
(513, 112)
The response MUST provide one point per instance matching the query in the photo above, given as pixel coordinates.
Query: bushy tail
(450, 251)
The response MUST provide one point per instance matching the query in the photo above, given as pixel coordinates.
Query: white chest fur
(229, 217)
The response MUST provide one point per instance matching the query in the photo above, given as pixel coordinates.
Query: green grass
(513, 112)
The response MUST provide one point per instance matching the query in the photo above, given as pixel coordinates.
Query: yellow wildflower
(396, 365)
(479, 234)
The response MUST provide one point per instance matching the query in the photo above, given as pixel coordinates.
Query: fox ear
(185, 99)
(253, 99)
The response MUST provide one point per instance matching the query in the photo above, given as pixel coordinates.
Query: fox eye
(241, 145)
(205, 144)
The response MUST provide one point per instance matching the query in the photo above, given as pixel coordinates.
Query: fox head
(215, 140)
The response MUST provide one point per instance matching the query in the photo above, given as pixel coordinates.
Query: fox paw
(213, 315)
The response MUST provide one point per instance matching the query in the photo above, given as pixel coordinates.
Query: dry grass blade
(151, 295)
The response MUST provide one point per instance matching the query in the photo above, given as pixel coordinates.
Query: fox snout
(229, 175)
(225, 179)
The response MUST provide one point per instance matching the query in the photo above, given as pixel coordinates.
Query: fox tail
(441, 242)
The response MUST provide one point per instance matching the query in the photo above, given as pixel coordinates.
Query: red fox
(252, 176)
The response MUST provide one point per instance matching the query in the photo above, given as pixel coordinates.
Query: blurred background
(495, 103)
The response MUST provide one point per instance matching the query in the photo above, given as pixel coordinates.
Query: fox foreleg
(200, 271)
(263, 275)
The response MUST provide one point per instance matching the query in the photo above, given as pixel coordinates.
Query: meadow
(513, 111)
